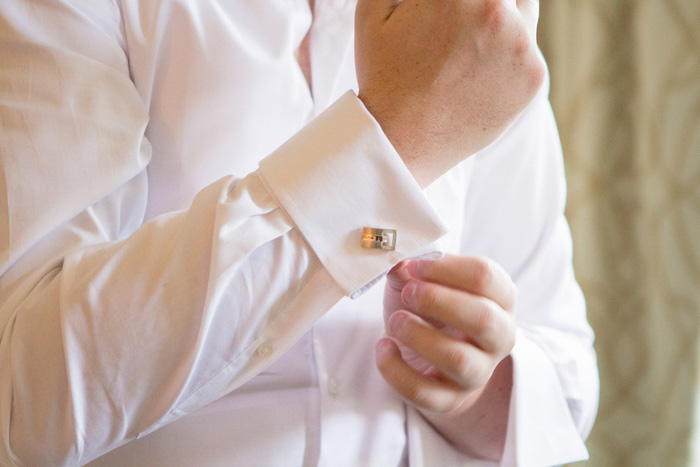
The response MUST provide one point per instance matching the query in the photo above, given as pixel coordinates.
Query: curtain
(626, 92)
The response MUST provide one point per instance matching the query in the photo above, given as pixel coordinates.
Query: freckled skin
(444, 79)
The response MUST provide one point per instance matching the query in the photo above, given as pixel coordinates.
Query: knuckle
(537, 72)
(509, 339)
(449, 405)
(416, 396)
(522, 44)
(483, 273)
(529, 62)
(513, 294)
(459, 362)
(533, 62)
(486, 317)
(429, 297)
(495, 14)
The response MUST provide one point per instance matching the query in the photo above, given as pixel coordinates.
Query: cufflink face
(384, 239)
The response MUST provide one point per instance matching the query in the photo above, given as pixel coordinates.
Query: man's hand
(445, 78)
(450, 324)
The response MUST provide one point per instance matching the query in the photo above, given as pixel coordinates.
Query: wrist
(478, 426)
(405, 134)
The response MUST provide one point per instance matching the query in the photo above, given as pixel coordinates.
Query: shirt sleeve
(110, 329)
(515, 215)
(518, 194)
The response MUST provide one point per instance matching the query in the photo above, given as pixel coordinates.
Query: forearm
(119, 337)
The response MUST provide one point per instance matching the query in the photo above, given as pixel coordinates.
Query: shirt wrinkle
(219, 324)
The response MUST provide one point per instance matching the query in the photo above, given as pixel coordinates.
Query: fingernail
(415, 266)
(382, 345)
(408, 291)
(397, 267)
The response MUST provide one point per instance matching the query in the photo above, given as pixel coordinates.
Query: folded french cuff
(541, 430)
(340, 174)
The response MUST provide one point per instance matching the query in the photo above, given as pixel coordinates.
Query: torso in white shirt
(224, 87)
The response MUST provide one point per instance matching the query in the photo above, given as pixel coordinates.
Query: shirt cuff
(541, 429)
(339, 174)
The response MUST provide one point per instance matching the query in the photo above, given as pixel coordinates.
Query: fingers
(423, 392)
(477, 275)
(480, 319)
(461, 362)
(450, 323)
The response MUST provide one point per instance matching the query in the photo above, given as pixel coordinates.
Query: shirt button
(264, 350)
(333, 386)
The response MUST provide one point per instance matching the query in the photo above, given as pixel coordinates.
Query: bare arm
(444, 79)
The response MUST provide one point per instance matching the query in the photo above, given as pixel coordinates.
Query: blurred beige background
(626, 92)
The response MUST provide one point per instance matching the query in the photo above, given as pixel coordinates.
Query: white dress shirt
(174, 258)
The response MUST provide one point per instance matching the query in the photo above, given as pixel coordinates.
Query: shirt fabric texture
(180, 224)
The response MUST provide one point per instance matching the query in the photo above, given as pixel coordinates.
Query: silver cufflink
(384, 239)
